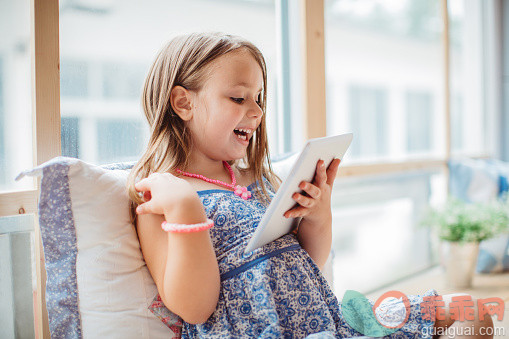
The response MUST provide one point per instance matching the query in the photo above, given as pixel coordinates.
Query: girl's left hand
(316, 205)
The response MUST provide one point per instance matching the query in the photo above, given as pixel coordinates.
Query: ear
(181, 101)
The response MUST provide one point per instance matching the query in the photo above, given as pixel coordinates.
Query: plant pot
(459, 260)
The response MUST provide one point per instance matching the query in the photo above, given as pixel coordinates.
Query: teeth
(244, 130)
(242, 137)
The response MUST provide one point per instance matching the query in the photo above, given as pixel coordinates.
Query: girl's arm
(315, 228)
(316, 240)
(183, 265)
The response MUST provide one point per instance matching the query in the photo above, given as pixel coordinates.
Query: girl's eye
(238, 100)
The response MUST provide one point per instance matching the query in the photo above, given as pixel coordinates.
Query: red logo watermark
(461, 308)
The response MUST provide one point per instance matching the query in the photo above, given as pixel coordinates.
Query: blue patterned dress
(276, 291)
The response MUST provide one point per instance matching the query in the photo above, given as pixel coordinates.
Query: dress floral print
(276, 291)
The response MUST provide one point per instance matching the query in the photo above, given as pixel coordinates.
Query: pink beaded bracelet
(186, 228)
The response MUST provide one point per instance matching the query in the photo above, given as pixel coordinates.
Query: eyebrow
(245, 84)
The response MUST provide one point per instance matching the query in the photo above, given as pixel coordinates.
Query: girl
(201, 188)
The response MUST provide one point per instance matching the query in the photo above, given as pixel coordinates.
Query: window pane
(418, 107)
(377, 238)
(119, 139)
(73, 78)
(69, 135)
(385, 77)
(15, 96)
(468, 116)
(122, 81)
(368, 117)
(17, 277)
(106, 51)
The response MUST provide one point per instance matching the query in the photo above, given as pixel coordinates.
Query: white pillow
(98, 285)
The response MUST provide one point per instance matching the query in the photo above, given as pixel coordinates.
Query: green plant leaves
(458, 221)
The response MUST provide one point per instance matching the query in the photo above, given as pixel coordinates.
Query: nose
(254, 110)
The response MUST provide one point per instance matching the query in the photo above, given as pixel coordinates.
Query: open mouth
(242, 134)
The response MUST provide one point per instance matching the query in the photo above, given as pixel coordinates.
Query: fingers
(313, 191)
(144, 208)
(145, 184)
(303, 201)
(296, 212)
(326, 175)
(307, 204)
(332, 171)
(145, 188)
(142, 185)
(321, 175)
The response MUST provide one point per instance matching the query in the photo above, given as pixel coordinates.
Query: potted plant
(461, 226)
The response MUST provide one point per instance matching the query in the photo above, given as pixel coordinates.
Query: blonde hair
(183, 62)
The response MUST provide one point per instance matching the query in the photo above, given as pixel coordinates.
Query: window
(70, 136)
(468, 53)
(17, 272)
(15, 95)
(376, 53)
(74, 78)
(18, 258)
(457, 119)
(419, 114)
(118, 140)
(368, 121)
(376, 227)
(3, 160)
(122, 81)
(116, 43)
(384, 69)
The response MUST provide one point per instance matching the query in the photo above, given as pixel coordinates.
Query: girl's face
(227, 109)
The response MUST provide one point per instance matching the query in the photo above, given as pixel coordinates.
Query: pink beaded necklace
(241, 191)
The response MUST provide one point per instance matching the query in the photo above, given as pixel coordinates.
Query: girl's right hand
(164, 193)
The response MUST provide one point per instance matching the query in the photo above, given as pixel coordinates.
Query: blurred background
(392, 73)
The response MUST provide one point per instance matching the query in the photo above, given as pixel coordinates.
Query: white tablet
(273, 224)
